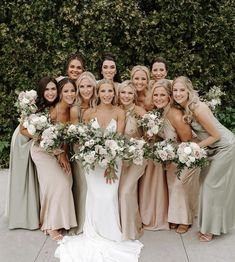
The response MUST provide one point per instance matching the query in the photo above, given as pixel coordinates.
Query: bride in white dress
(101, 240)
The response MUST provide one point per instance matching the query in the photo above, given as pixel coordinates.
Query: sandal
(205, 237)
(173, 226)
(55, 235)
(182, 228)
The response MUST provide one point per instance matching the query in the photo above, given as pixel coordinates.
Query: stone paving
(159, 246)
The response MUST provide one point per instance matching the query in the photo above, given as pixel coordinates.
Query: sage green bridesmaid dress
(22, 207)
(217, 182)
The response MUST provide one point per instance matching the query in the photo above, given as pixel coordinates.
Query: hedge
(195, 36)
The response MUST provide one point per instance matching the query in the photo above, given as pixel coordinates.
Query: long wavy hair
(193, 98)
(107, 81)
(166, 84)
(91, 78)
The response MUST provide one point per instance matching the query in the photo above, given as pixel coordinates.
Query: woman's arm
(74, 116)
(87, 116)
(183, 129)
(121, 121)
(203, 116)
(24, 131)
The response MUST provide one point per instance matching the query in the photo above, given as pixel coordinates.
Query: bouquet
(213, 97)
(36, 123)
(26, 103)
(52, 138)
(136, 150)
(189, 155)
(78, 133)
(164, 151)
(101, 148)
(151, 122)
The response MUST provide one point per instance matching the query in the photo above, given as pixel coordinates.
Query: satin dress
(217, 182)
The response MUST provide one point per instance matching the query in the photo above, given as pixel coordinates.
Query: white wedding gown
(101, 240)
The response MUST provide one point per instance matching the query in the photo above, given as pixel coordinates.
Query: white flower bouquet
(26, 103)
(213, 97)
(101, 148)
(151, 122)
(77, 133)
(164, 151)
(190, 155)
(36, 123)
(136, 150)
(52, 138)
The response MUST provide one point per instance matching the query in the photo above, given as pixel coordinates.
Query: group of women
(111, 217)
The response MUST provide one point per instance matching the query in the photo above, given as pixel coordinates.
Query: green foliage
(196, 37)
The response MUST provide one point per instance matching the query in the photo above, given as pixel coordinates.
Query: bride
(101, 240)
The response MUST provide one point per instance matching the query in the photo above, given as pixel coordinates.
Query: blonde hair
(107, 81)
(140, 68)
(125, 84)
(166, 84)
(92, 80)
(193, 98)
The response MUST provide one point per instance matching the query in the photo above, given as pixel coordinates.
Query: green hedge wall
(195, 36)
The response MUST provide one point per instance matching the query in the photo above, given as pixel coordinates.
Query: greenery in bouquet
(136, 150)
(164, 151)
(77, 133)
(52, 139)
(151, 122)
(26, 103)
(190, 155)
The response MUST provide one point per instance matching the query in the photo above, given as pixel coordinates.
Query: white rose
(187, 150)
(155, 129)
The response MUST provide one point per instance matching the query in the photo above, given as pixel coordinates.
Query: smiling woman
(54, 174)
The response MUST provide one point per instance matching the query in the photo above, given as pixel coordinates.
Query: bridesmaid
(153, 195)
(140, 78)
(86, 98)
(158, 68)
(182, 193)
(55, 181)
(108, 69)
(128, 188)
(217, 180)
(74, 66)
(22, 207)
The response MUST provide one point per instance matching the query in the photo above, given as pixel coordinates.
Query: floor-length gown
(128, 188)
(217, 182)
(79, 190)
(183, 193)
(101, 238)
(56, 199)
(22, 207)
(153, 197)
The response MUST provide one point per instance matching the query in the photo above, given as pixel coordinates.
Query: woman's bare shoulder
(140, 110)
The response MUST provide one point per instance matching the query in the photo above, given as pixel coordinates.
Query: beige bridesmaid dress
(183, 193)
(56, 199)
(79, 190)
(128, 188)
(153, 197)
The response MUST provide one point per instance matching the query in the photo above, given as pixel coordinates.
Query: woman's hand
(64, 163)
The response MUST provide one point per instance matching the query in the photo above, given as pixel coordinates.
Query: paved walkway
(159, 246)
